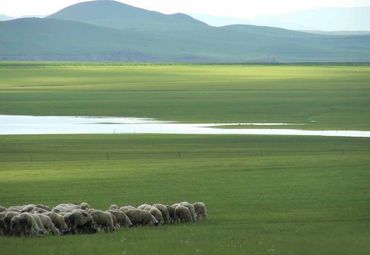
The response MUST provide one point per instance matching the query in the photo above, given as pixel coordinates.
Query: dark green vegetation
(335, 97)
(266, 195)
(108, 30)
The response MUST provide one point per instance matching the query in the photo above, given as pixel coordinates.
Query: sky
(243, 9)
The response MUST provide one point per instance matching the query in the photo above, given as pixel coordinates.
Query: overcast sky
(231, 8)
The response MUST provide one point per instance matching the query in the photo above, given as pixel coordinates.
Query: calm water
(29, 125)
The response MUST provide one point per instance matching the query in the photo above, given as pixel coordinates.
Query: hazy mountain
(328, 19)
(111, 31)
(4, 17)
(122, 16)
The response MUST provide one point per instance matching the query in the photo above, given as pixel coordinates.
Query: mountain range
(326, 19)
(4, 17)
(113, 31)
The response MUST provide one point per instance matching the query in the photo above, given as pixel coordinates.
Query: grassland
(336, 97)
(266, 195)
(280, 195)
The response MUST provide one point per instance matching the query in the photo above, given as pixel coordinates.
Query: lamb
(122, 218)
(200, 210)
(103, 220)
(141, 217)
(164, 211)
(182, 214)
(58, 222)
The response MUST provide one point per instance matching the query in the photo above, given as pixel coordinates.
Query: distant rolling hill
(4, 17)
(112, 31)
(326, 19)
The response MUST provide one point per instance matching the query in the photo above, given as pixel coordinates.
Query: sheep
(145, 207)
(48, 224)
(157, 214)
(141, 217)
(42, 206)
(2, 223)
(3, 209)
(84, 206)
(122, 218)
(39, 223)
(200, 210)
(114, 207)
(16, 208)
(103, 220)
(58, 221)
(6, 221)
(171, 212)
(164, 211)
(28, 208)
(80, 222)
(65, 208)
(115, 221)
(191, 208)
(24, 224)
(126, 208)
(182, 214)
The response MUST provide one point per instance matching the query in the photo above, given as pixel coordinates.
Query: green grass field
(265, 194)
(336, 97)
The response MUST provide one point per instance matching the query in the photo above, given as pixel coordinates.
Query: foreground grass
(323, 97)
(266, 195)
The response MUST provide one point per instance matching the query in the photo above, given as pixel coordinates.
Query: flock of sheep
(38, 220)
